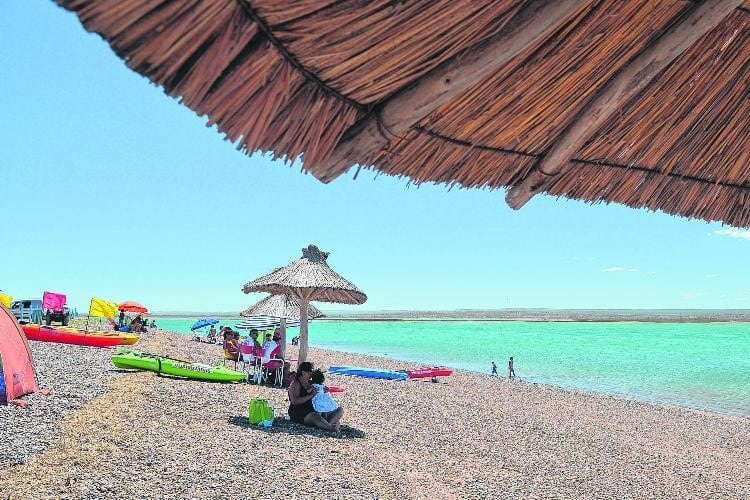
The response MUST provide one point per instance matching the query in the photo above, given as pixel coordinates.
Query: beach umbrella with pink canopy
(308, 279)
(282, 307)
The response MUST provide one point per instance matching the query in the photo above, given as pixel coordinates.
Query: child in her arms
(322, 401)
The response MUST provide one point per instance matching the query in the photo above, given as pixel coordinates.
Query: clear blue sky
(110, 188)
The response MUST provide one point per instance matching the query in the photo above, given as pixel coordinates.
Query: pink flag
(52, 300)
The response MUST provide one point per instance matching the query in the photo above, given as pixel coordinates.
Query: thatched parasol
(308, 278)
(284, 307)
(640, 102)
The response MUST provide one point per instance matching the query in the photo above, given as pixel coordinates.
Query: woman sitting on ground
(301, 408)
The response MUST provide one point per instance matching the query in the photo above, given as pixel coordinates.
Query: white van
(27, 310)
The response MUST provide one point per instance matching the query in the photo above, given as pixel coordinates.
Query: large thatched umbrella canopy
(640, 102)
(284, 307)
(308, 278)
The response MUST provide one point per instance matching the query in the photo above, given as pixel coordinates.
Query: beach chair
(248, 357)
(246, 354)
(257, 365)
(230, 356)
(275, 367)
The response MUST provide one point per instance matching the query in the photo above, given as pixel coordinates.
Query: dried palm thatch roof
(640, 102)
(309, 278)
(281, 306)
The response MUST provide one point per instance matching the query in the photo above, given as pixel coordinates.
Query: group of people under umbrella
(302, 281)
(138, 323)
(292, 288)
(263, 355)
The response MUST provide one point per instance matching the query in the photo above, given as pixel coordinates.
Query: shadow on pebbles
(282, 425)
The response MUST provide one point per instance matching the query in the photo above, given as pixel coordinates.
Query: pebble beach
(108, 433)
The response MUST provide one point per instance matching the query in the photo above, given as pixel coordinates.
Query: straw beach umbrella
(284, 307)
(638, 102)
(262, 323)
(308, 278)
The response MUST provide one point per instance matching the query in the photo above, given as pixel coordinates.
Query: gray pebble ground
(74, 375)
(470, 436)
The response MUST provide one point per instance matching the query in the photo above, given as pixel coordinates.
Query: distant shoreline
(529, 315)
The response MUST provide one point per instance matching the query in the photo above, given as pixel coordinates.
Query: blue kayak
(368, 372)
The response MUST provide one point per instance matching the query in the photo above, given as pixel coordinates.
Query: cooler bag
(259, 410)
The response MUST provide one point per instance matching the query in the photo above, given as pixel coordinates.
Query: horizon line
(470, 310)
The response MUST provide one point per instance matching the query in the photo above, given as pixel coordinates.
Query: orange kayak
(65, 335)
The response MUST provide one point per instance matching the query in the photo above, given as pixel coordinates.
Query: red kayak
(69, 336)
(429, 372)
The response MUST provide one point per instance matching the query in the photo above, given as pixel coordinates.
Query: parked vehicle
(57, 315)
(27, 310)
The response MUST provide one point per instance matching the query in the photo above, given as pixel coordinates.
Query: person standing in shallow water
(494, 369)
(511, 371)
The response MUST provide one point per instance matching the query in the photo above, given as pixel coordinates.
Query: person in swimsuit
(511, 370)
(301, 392)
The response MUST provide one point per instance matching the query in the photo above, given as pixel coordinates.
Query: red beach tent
(17, 368)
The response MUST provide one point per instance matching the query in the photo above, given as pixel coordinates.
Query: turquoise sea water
(700, 365)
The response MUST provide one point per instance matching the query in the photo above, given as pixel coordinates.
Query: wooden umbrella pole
(88, 316)
(303, 304)
(282, 326)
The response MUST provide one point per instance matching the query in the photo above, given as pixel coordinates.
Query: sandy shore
(471, 436)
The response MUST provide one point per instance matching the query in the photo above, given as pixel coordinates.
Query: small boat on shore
(66, 335)
(368, 372)
(136, 360)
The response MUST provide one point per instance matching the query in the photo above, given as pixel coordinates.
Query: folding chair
(229, 356)
(247, 358)
(258, 365)
(275, 366)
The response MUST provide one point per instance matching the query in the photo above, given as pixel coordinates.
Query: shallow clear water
(701, 365)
